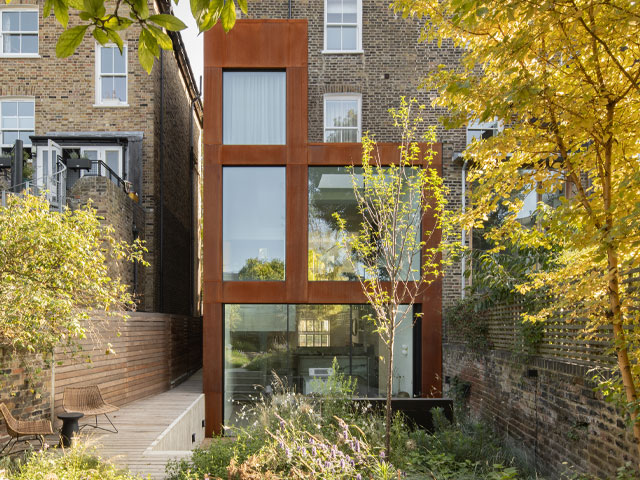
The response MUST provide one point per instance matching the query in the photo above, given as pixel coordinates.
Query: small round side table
(69, 427)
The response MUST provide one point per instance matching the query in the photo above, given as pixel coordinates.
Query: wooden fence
(561, 340)
(153, 352)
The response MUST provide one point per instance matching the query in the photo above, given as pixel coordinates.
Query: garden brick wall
(154, 352)
(391, 48)
(64, 92)
(119, 211)
(553, 418)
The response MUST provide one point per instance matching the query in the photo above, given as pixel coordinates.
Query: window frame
(357, 24)
(225, 125)
(99, 102)
(16, 99)
(342, 97)
(20, 8)
(494, 126)
(102, 156)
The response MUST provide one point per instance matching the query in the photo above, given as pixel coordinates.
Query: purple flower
(314, 452)
(382, 454)
(357, 446)
(281, 445)
(358, 477)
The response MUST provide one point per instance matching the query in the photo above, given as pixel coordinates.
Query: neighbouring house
(136, 137)
(289, 93)
(97, 127)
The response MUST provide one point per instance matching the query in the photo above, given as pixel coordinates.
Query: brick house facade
(154, 136)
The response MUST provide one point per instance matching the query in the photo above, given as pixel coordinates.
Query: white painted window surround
(342, 26)
(19, 31)
(342, 117)
(111, 76)
(17, 120)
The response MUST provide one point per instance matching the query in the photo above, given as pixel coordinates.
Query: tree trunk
(387, 435)
(620, 341)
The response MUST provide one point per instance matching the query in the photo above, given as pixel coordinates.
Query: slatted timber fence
(153, 352)
(561, 340)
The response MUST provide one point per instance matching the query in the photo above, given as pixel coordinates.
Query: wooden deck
(139, 424)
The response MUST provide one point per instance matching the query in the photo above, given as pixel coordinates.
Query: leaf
(141, 8)
(163, 39)
(150, 42)
(228, 16)
(100, 36)
(197, 7)
(170, 22)
(115, 38)
(145, 56)
(70, 40)
(243, 6)
(46, 10)
(118, 23)
(61, 11)
(94, 7)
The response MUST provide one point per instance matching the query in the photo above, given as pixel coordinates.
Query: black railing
(101, 169)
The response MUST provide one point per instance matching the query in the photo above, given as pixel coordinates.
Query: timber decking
(139, 424)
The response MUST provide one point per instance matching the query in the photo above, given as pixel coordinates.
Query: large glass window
(343, 26)
(254, 108)
(299, 344)
(342, 118)
(253, 223)
(19, 32)
(330, 191)
(111, 75)
(17, 121)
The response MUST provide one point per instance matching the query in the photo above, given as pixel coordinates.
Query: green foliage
(74, 463)
(288, 435)
(256, 269)
(105, 21)
(562, 77)
(212, 460)
(57, 272)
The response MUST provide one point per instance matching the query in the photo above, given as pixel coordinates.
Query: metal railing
(101, 169)
(54, 186)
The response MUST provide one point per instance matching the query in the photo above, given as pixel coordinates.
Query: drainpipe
(194, 193)
(464, 233)
(161, 193)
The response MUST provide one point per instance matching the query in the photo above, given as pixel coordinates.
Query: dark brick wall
(553, 418)
(390, 45)
(179, 185)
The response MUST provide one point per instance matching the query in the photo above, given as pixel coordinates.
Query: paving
(139, 424)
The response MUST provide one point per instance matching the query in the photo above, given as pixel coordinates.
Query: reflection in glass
(300, 342)
(330, 191)
(255, 346)
(253, 223)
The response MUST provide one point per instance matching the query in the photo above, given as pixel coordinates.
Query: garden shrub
(328, 437)
(77, 463)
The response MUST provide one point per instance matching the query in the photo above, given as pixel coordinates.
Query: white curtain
(254, 108)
